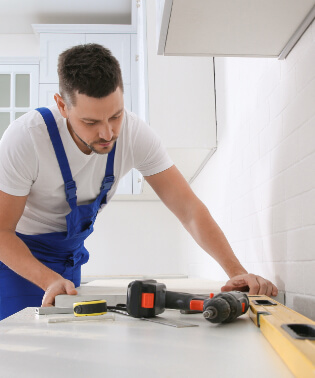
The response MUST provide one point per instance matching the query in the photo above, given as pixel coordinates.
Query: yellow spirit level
(291, 334)
(90, 308)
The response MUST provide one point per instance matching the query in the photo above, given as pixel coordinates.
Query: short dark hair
(89, 69)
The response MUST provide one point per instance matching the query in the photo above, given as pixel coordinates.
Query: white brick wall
(260, 184)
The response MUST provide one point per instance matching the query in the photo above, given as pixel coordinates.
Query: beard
(101, 150)
(93, 146)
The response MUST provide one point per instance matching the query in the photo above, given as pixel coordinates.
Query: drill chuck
(210, 313)
(225, 307)
(217, 310)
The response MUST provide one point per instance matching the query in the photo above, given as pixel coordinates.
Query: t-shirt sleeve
(150, 155)
(18, 160)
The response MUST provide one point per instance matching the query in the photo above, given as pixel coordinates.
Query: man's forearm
(15, 254)
(210, 237)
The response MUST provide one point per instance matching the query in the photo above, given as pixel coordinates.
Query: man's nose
(105, 131)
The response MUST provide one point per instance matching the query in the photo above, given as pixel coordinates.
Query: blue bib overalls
(63, 252)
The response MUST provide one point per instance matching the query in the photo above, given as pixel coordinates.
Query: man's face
(94, 123)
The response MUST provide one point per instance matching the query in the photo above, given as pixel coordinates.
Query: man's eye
(116, 117)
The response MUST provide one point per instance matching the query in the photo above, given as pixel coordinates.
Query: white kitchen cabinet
(120, 46)
(123, 48)
(46, 94)
(51, 45)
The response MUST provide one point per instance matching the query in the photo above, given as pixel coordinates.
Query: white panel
(134, 64)
(46, 94)
(137, 180)
(127, 97)
(119, 45)
(233, 27)
(181, 96)
(51, 45)
(140, 45)
(125, 184)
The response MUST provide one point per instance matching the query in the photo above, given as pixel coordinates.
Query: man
(60, 166)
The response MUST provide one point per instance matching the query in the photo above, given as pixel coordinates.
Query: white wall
(260, 184)
(19, 45)
(135, 238)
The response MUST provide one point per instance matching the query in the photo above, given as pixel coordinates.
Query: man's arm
(177, 195)
(15, 254)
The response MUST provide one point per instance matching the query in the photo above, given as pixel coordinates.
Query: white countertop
(128, 347)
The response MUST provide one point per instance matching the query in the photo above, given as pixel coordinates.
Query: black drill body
(181, 301)
(221, 308)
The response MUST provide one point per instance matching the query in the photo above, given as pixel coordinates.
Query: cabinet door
(46, 94)
(51, 45)
(18, 92)
(119, 45)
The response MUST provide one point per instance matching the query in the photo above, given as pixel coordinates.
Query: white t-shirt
(28, 166)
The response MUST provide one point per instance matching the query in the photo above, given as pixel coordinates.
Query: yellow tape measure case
(90, 308)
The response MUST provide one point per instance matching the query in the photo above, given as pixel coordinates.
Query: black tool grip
(181, 301)
(135, 291)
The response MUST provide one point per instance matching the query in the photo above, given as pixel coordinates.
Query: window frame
(16, 69)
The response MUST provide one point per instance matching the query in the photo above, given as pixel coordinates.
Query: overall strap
(70, 186)
(109, 178)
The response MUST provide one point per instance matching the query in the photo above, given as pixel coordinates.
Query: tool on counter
(97, 318)
(225, 307)
(90, 308)
(53, 310)
(82, 311)
(291, 334)
(83, 308)
(148, 298)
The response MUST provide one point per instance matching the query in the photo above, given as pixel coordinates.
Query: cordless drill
(148, 298)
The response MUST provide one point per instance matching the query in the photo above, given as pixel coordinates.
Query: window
(18, 92)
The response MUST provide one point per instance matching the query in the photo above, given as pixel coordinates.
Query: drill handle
(181, 301)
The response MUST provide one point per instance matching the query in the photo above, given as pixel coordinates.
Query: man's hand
(252, 283)
(60, 286)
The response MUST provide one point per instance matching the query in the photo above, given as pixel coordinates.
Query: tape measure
(90, 308)
(291, 334)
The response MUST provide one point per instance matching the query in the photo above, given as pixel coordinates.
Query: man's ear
(62, 106)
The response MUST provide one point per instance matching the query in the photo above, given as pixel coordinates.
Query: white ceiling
(17, 16)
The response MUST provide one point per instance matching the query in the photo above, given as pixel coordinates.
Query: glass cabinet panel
(4, 122)
(22, 90)
(5, 90)
(18, 91)
(18, 114)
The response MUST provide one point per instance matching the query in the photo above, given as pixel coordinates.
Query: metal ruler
(291, 334)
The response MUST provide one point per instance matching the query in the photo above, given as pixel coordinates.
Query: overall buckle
(71, 190)
(107, 183)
